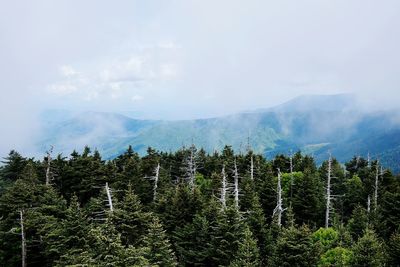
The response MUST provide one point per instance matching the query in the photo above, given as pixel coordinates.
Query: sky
(190, 59)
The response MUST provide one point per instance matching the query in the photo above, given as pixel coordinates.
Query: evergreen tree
(129, 219)
(193, 242)
(308, 201)
(358, 222)
(69, 236)
(368, 251)
(295, 247)
(247, 254)
(226, 235)
(14, 164)
(393, 249)
(158, 248)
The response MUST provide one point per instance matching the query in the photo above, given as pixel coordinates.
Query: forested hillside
(313, 124)
(191, 208)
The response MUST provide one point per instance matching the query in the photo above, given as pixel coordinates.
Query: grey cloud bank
(190, 59)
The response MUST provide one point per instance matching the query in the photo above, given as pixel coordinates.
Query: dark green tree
(130, 220)
(158, 248)
(368, 251)
(248, 253)
(295, 247)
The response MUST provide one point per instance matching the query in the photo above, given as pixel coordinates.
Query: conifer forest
(192, 208)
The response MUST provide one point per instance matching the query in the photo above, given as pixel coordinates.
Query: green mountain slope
(314, 125)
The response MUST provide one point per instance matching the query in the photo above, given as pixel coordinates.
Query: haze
(190, 59)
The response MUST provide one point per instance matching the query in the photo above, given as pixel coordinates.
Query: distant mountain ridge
(312, 124)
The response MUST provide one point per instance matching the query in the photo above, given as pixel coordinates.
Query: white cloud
(68, 71)
(168, 71)
(119, 77)
(130, 70)
(62, 88)
(137, 98)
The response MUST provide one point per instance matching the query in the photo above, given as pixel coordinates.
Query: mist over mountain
(313, 124)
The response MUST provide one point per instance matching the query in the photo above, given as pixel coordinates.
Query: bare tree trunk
(328, 192)
(23, 242)
(368, 204)
(236, 184)
(156, 177)
(252, 168)
(291, 176)
(110, 204)
(224, 188)
(48, 169)
(192, 167)
(376, 186)
(278, 209)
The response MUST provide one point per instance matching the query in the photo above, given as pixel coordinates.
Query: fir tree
(393, 249)
(295, 247)
(247, 254)
(193, 242)
(130, 219)
(158, 248)
(368, 251)
(226, 235)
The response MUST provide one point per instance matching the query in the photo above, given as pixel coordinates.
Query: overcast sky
(184, 59)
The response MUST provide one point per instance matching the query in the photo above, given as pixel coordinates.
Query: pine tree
(158, 248)
(193, 242)
(393, 249)
(130, 219)
(295, 247)
(178, 206)
(42, 207)
(368, 251)
(358, 222)
(226, 235)
(307, 202)
(69, 236)
(247, 254)
(14, 164)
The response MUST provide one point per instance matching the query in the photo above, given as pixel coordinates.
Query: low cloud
(120, 77)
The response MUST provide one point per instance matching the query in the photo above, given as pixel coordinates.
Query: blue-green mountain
(312, 124)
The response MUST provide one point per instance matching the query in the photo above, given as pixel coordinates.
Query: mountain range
(313, 124)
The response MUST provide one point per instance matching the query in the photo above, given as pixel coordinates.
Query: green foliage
(327, 237)
(295, 247)
(338, 257)
(226, 235)
(393, 249)
(308, 199)
(358, 222)
(247, 254)
(69, 222)
(368, 251)
(193, 242)
(158, 248)
(130, 219)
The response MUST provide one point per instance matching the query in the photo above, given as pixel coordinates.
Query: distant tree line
(190, 208)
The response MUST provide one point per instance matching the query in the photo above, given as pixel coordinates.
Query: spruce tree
(368, 251)
(193, 242)
(247, 254)
(308, 200)
(69, 236)
(226, 235)
(130, 219)
(393, 249)
(295, 247)
(158, 248)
